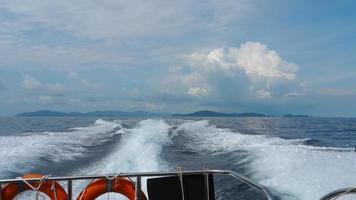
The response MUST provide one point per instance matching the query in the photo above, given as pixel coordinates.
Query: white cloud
(56, 88)
(63, 34)
(294, 94)
(76, 77)
(177, 83)
(126, 18)
(45, 99)
(211, 62)
(153, 106)
(263, 94)
(253, 58)
(110, 34)
(197, 91)
(87, 84)
(257, 60)
(261, 65)
(33, 85)
(30, 83)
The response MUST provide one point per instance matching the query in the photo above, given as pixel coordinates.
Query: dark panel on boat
(169, 188)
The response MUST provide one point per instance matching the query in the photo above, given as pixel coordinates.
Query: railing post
(70, 190)
(206, 181)
(138, 188)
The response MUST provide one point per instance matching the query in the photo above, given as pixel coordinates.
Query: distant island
(202, 113)
(48, 113)
(208, 113)
(291, 115)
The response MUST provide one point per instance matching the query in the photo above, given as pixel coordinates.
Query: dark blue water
(297, 158)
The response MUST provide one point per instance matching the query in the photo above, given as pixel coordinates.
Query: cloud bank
(262, 66)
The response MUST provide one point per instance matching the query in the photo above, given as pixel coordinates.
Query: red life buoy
(101, 186)
(51, 188)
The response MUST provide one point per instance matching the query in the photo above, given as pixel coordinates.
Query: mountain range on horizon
(201, 113)
(49, 113)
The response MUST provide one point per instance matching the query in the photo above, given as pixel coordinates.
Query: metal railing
(139, 175)
(338, 193)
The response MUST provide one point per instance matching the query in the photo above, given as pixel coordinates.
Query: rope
(130, 179)
(53, 188)
(37, 189)
(109, 183)
(180, 176)
(85, 189)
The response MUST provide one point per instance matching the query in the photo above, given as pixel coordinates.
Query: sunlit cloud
(262, 66)
(197, 91)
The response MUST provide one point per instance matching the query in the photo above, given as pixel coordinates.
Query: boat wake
(32, 151)
(291, 168)
(138, 149)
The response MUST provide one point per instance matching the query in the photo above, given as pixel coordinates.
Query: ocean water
(296, 158)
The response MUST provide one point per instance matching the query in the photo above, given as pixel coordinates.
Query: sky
(273, 57)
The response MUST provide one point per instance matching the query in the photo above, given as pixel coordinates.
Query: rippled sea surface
(297, 158)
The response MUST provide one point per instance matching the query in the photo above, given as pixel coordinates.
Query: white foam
(287, 166)
(138, 150)
(23, 152)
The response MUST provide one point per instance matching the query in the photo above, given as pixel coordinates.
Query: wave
(138, 150)
(288, 166)
(23, 153)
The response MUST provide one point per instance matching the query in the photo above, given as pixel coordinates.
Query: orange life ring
(101, 186)
(10, 191)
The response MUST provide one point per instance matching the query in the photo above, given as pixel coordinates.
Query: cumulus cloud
(212, 61)
(263, 94)
(153, 106)
(262, 66)
(253, 58)
(56, 88)
(258, 61)
(87, 85)
(30, 83)
(45, 99)
(75, 76)
(35, 86)
(176, 83)
(294, 94)
(197, 91)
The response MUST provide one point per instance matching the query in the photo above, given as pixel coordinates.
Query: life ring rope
(37, 189)
(52, 189)
(45, 187)
(98, 187)
(109, 183)
(41, 181)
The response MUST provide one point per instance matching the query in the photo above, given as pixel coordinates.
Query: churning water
(297, 158)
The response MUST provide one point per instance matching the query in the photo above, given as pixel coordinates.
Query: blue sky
(273, 57)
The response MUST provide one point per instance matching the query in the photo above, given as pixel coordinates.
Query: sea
(296, 158)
